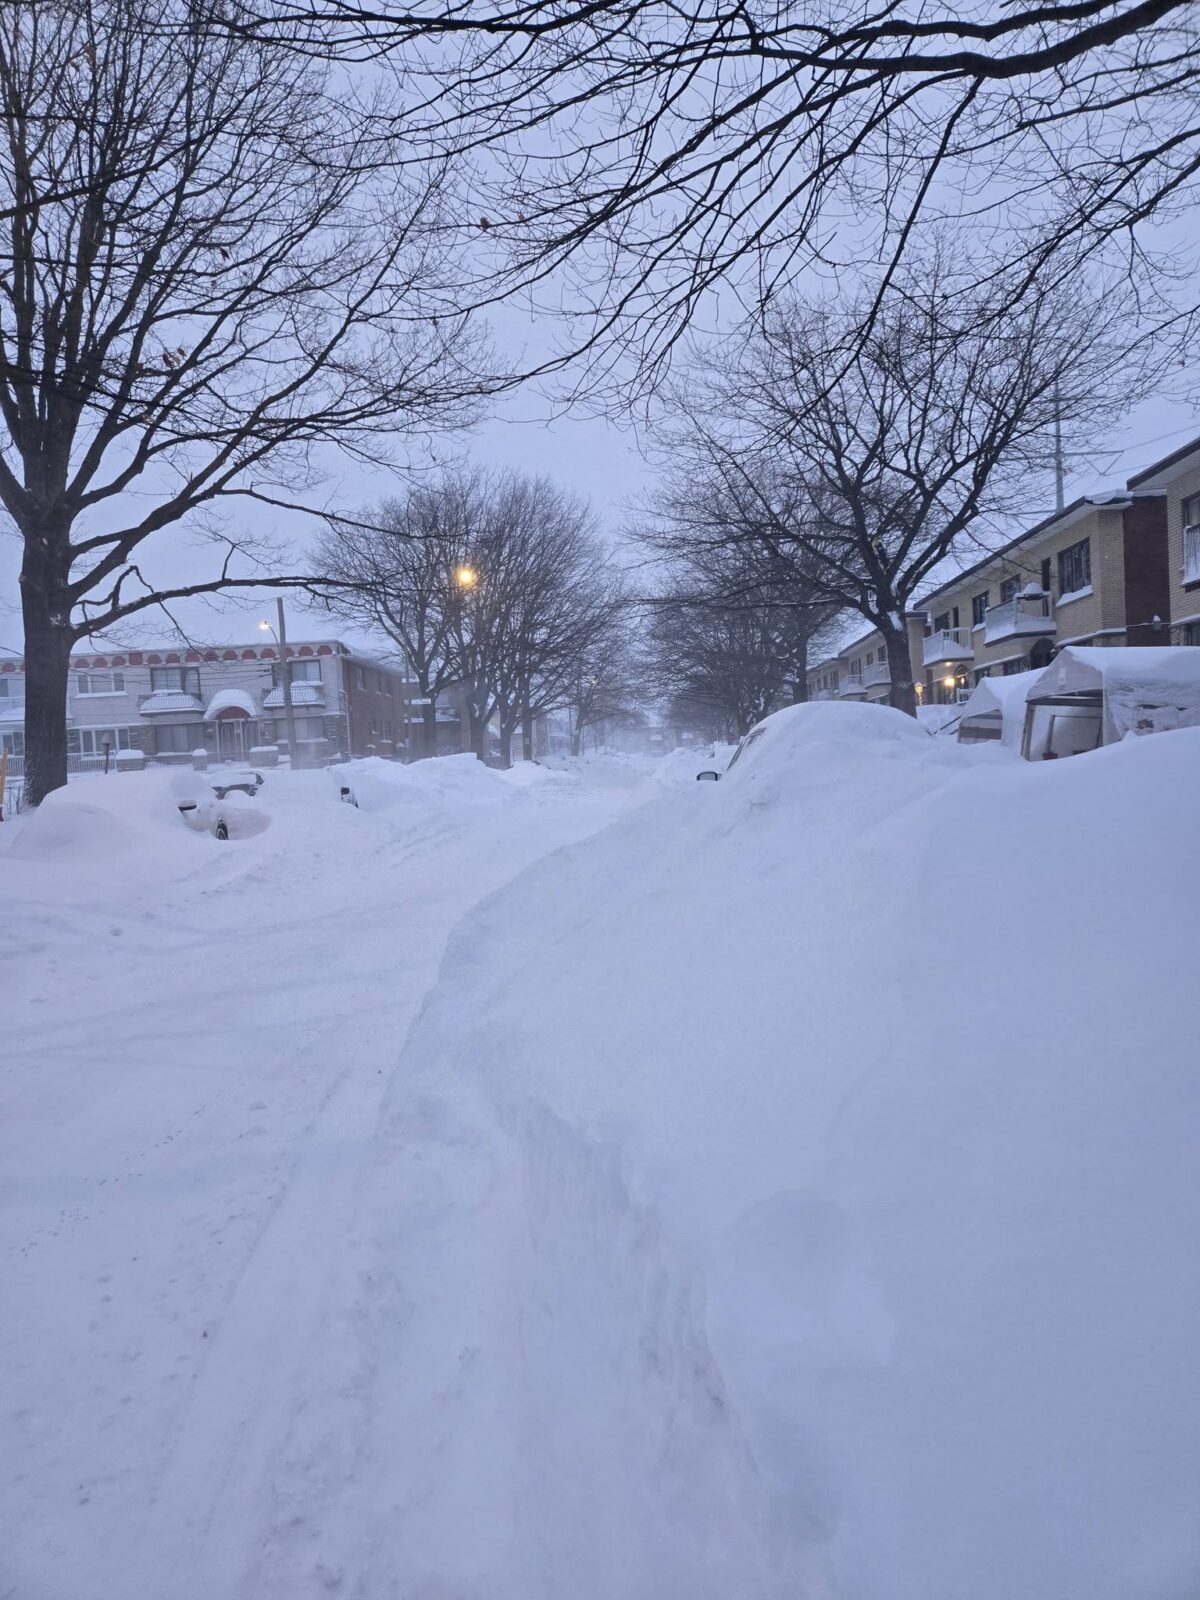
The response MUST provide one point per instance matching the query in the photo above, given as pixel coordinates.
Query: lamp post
(285, 679)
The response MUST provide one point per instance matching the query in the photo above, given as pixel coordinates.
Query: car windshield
(755, 733)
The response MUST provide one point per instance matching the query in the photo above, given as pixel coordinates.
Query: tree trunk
(903, 692)
(576, 738)
(526, 734)
(478, 732)
(48, 641)
(428, 726)
(506, 739)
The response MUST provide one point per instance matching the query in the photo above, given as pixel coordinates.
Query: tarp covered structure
(1124, 690)
(996, 709)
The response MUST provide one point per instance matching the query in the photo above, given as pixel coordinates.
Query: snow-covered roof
(303, 694)
(1000, 701)
(230, 700)
(168, 700)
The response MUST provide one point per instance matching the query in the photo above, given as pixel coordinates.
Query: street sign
(416, 702)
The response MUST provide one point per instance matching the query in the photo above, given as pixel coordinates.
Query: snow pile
(678, 769)
(824, 1145)
(459, 780)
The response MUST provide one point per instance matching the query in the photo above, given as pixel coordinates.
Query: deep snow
(779, 1187)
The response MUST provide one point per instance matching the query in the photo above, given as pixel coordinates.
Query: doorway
(233, 743)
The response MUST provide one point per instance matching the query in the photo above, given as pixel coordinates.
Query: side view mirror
(712, 777)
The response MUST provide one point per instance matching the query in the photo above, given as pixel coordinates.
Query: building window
(177, 738)
(1008, 590)
(360, 678)
(856, 667)
(100, 683)
(184, 680)
(1191, 539)
(13, 743)
(1046, 575)
(1075, 567)
(306, 728)
(1010, 668)
(941, 623)
(979, 605)
(298, 672)
(1191, 633)
(383, 688)
(12, 687)
(91, 741)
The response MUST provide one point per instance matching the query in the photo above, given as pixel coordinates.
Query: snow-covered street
(595, 1185)
(199, 1040)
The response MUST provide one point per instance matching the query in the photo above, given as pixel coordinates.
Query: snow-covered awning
(174, 700)
(303, 694)
(230, 700)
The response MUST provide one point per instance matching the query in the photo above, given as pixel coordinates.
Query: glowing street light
(466, 577)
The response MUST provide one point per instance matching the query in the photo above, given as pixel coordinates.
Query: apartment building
(860, 671)
(1177, 478)
(168, 702)
(1094, 573)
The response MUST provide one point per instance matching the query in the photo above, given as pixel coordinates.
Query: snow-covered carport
(1087, 697)
(996, 710)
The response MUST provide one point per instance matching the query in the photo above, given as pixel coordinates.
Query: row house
(168, 703)
(1177, 478)
(1095, 573)
(860, 671)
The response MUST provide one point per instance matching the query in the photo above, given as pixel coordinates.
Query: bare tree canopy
(206, 281)
(864, 462)
(498, 584)
(658, 153)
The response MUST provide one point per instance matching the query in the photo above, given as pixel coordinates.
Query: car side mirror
(713, 777)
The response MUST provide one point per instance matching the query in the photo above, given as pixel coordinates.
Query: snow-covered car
(245, 782)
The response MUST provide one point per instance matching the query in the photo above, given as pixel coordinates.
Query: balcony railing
(947, 644)
(878, 672)
(849, 683)
(1023, 614)
(1191, 554)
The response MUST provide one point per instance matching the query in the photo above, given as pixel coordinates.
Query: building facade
(169, 702)
(860, 671)
(1177, 479)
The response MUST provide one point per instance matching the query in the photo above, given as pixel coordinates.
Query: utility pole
(286, 681)
(1059, 497)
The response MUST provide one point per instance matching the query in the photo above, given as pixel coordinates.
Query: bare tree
(608, 683)
(394, 572)
(867, 461)
(208, 280)
(659, 153)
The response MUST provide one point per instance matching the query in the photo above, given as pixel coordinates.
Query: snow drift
(840, 1229)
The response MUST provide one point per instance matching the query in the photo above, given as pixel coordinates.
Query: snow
(1073, 594)
(230, 700)
(1144, 688)
(164, 700)
(605, 1186)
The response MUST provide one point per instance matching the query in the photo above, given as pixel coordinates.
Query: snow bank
(864, 1083)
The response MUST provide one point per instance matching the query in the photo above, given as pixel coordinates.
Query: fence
(14, 789)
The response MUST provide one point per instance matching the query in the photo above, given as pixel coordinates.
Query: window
(13, 743)
(1008, 590)
(941, 622)
(306, 728)
(91, 741)
(1075, 567)
(298, 672)
(1009, 668)
(100, 683)
(856, 667)
(177, 738)
(185, 680)
(1191, 539)
(360, 678)
(1191, 633)
(979, 605)
(383, 688)
(1046, 576)
(12, 687)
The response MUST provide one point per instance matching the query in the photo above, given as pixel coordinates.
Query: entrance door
(231, 738)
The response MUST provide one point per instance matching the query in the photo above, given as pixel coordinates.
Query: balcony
(849, 684)
(170, 702)
(303, 694)
(878, 672)
(1024, 615)
(1191, 554)
(947, 644)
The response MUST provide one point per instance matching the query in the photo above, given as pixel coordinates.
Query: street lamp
(285, 680)
(466, 577)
